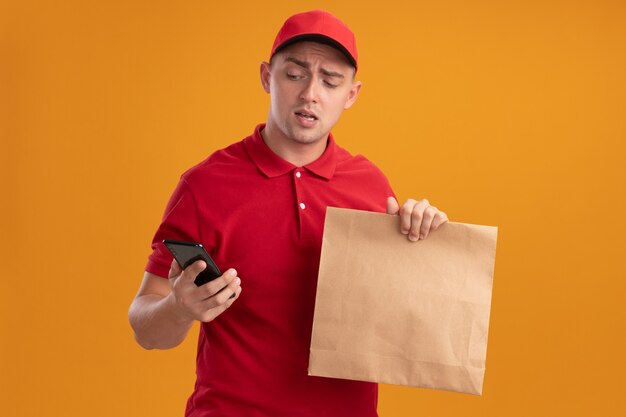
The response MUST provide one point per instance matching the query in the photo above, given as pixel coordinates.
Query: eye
(294, 77)
(329, 84)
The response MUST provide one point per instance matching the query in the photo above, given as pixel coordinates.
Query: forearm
(157, 323)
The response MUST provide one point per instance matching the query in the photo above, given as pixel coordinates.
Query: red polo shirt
(263, 216)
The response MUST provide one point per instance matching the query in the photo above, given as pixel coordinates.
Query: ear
(265, 74)
(353, 94)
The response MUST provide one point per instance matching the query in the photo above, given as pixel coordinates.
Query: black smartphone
(187, 253)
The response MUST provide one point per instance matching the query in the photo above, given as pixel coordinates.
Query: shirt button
(298, 175)
(302, 206)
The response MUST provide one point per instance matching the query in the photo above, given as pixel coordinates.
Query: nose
(310, 92)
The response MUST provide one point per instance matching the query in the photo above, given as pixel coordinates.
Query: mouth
(306, 115)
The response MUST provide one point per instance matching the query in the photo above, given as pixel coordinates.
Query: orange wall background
(508, 113)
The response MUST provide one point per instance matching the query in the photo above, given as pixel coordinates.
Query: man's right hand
(163, 312)
(208, 301)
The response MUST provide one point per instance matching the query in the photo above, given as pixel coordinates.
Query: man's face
(310, 84)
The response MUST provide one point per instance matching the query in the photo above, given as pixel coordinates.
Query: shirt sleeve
(390, 192)
(379, 182)
(180, 222)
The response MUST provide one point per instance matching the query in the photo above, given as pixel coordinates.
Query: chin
(305, 140)
(305, 137)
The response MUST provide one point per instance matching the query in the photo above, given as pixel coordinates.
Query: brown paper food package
(398, 312)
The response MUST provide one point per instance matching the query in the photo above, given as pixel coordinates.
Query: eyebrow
(307, 65)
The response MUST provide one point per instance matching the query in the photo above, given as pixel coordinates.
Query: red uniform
(263, 216)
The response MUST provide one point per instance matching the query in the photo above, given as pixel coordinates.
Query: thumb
(392, 206)
(175, 270)
(191, 272)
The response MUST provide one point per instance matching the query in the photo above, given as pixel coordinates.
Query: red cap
(317, 26)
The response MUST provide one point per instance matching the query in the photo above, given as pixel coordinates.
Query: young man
(258, 206)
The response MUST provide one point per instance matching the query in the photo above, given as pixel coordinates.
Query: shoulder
(356, 164)
(224, 161)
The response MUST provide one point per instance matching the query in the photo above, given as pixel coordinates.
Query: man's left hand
(417, 217)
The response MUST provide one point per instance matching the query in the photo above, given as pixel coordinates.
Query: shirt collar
(273, 165)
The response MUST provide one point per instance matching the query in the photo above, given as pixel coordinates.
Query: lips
(307, 115)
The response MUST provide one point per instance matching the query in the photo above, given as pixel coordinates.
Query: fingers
(217, 304)
(229, 292)
(212, 312)
(440, 218)
(427, 221)
(411, 214)
(208, 301)
(419, 218)
(392, 206)
(212, 288)
(416, 218)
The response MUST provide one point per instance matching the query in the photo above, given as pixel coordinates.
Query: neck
(296, 153)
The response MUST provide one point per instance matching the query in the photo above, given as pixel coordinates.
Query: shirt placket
(299, 182)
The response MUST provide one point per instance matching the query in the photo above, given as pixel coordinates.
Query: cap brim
(316, 37)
